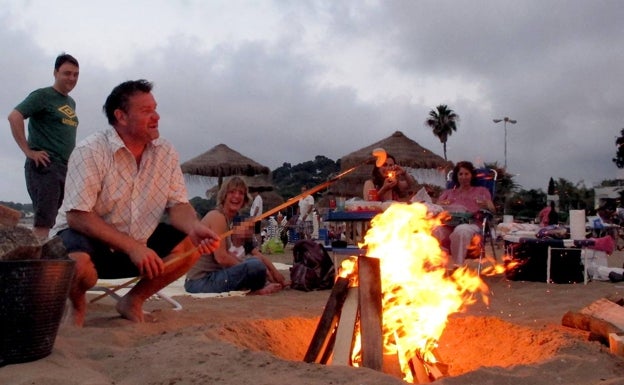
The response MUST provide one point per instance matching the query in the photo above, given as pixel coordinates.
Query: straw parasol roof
(259, 183)
(407, 152)
(222, 161)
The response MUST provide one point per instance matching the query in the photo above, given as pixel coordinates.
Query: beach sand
(516, 339)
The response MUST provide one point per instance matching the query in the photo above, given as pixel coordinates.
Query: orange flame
(419, 294)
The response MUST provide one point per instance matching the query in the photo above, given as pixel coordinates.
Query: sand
(517, 339)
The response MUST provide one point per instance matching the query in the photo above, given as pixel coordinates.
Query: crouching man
(120, 182)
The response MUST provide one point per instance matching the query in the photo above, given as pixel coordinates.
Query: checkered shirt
(103, 178)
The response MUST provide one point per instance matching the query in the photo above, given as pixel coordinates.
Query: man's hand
(150, 265)
(204, 238)
(41, 158)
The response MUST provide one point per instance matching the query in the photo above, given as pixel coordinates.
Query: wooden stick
(370, 312)
(379, 155)
(346, 328)
(331, 315)
(249, 221)
(419, 371)
(170, 262)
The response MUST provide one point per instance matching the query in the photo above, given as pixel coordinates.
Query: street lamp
(505, 120)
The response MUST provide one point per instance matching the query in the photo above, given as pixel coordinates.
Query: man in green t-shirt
(52, 124)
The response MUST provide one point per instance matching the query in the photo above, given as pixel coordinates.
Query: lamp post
(505, 120)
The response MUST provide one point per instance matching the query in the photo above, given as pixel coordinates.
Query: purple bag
(312, 268)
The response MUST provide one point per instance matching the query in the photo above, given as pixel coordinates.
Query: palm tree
(443, 121)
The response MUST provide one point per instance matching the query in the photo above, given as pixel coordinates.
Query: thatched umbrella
(222, 161)
(259, 183)
(407, 152)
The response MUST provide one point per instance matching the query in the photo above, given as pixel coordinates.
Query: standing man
(305, 215)
(52, 125)
(254, 211)
(120, 182)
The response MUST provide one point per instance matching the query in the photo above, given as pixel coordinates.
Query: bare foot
(129, 309)
(268, 289)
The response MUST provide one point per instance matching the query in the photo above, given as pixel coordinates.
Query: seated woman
(222, 270)
(465, 197)
(389, 182)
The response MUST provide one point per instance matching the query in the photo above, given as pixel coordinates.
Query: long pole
(505, 125)
(505, 120)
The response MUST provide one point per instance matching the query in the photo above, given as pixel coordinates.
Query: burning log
(370, 312)
(395, 330)
(417, 366)
(344, 334)
(328, 320)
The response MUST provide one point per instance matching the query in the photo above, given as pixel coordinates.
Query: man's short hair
(64, 58)
(119, 97)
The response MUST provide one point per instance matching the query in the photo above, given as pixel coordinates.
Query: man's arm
(16, 121)
(216, 221)
(184, 218)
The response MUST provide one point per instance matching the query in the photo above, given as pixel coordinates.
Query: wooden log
(616, 299)
(370, 312)
(346, 328)
(599, 328)
(18, 243)
(329, 348)
(616, 344)
(438, 369)
(417, 366)
(329, 318)
(9, 217)
(606, 310)
(392, 365)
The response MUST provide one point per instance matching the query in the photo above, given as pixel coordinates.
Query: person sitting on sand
(244, 246)
(221, 270)
(120, 182)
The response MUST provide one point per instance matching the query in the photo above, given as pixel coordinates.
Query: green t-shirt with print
(52, 122)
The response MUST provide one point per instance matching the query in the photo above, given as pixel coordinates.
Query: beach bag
(312, 268)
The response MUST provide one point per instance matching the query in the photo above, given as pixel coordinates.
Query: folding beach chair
(109, 289)
(485, 177)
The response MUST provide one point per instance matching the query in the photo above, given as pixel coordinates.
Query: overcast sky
(284, 81)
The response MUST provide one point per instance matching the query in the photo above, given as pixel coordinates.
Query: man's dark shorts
(114, 264)
(45, 185)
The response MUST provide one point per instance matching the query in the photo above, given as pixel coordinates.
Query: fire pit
(407, 294)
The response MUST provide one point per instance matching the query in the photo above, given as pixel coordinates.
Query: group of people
(390, 182)
(106, 198)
